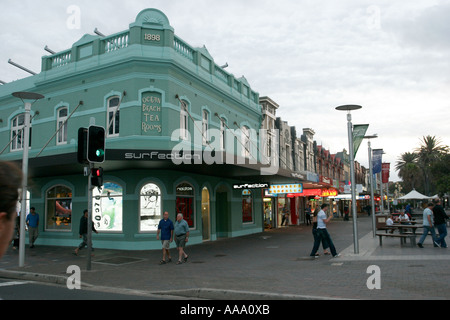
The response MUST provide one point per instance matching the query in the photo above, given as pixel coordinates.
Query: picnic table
(403, 234)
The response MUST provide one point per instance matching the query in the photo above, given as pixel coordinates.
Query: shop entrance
(206, 215)
(223, 215)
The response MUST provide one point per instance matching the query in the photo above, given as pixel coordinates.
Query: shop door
(206, 216)
(222, 215)
(293, 210)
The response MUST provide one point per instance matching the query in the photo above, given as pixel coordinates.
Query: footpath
(268, 266)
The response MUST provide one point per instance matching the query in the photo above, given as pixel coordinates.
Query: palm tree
(429, 152)
(408, 170)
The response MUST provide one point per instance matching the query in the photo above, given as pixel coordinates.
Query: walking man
(322, 231)
(439, 220)
(428, 226)
(33, 226)
(166, 228)
(84, 231)
(181, 229)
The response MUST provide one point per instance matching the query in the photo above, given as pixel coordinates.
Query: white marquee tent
(414, 195)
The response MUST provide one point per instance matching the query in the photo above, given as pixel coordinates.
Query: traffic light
(97, 177)
(96, 144)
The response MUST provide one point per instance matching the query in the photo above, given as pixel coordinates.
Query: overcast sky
(391, 57)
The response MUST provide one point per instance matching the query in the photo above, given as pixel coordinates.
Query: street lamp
(27, 98)
(372, 199)
(349, 109)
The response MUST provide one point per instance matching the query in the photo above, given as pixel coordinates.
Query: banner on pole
(386, 168)
(377, 156)
(359, 131)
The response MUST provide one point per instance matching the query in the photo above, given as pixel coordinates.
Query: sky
(390, 57)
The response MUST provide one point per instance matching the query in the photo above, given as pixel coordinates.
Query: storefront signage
(315, 192)
(286, 188)
(151, 114)
(324, 179)
(251, 186)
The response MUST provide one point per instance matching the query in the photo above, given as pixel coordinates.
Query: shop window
(150, 208)
(185, 203)
(107, 207)
(113, 117)
(58, 215)
(247, 206)
(62, 126)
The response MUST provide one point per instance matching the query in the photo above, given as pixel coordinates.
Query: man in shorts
(181, 238)
(165, 228)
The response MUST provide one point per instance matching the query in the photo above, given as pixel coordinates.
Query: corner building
(153, 93)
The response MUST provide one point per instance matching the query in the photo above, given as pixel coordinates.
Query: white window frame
(205, 127)
(184, 124)
(116, 114)
(61, 138)
(17, 132)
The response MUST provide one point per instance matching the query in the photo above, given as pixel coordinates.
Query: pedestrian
(428, 226)
(33, 226)
(84, 231)
(346, 213)
(317, 238)
(322, 220)
(285, 215)
(308, 215)
(10, 181)
(181, 229)
(439, 221)
(166, 228)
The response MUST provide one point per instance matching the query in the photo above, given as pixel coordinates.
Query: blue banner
(377, 160)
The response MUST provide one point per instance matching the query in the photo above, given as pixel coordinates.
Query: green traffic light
(100, 153)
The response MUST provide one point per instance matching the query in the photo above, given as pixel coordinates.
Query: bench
(403, 237)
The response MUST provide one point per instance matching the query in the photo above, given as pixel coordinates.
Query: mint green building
(153, 93)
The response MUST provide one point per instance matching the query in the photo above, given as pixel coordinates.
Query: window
(247, 206)
(223, 126)
(62, 126)
(185, 203)
(150, 208)
(245, 142)
(113, 117)
(107, 207)
(184, 128)
(205, 128)
(17, 133)
(58, 215)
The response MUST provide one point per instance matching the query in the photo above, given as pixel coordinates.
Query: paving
(266, 266)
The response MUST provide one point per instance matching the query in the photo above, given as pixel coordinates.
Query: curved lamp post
(28, 98)
(349, 109)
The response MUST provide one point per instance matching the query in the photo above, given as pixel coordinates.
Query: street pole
(372, 195)
(352, 176)
(23, 211)
(382, 194)
(27, 96)
(349, 108)
(89, 226)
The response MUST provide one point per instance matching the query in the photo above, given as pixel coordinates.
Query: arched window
(62, 126)
(113, 116)
(184, 124)
(186, 203)
(247, 206)
(223, 129)
(245, 142)
(107, 207)
(150, 208)
(58, 211)
(17, 133)
(205, 127)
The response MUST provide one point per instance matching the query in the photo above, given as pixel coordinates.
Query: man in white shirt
(322, 220)
(428, 226)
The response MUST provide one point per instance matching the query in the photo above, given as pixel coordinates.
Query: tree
(441, 174)
(409, 171)
(429, 153)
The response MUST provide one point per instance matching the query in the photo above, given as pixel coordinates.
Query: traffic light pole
(89, 226)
